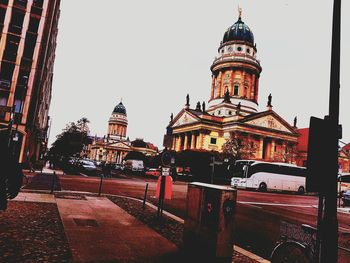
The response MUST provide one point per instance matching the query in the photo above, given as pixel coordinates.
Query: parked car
(346, 197)
(118, 167)
(153, 172)
(87, 166)
(134, 166)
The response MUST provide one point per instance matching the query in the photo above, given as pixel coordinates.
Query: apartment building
(27, 53)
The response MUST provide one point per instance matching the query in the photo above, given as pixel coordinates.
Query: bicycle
(300, 247)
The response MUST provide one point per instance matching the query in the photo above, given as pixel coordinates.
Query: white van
(134, 165)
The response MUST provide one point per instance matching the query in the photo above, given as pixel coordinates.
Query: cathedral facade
(114, 147)
(232, 111)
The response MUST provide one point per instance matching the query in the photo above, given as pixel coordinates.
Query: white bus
(264, 176)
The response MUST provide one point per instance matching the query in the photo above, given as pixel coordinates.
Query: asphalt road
(260, 217)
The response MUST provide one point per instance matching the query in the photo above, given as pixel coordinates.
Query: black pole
(53, 182)
(329, 244)
(161, 196)
(144, 197)
(100, 185)
(319, 226)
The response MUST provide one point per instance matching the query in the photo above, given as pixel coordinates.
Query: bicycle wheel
(290, 252)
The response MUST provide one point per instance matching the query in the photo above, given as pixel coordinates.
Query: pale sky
(152, 53)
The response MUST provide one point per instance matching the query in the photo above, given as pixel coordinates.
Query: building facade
(303, 140)
(27, 53)
(232, 111)
(113, 147)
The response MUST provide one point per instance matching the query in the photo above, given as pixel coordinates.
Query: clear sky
(152, 53)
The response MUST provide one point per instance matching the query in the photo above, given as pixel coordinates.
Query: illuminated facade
(27, 53)
(115, 146)
(233, 107)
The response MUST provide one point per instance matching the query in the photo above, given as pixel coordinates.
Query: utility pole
(329, 233)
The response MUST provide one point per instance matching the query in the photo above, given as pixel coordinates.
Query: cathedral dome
(120, 108)
(239, 31)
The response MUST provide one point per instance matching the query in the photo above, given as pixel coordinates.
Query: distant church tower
(236, 70)
(118, 123)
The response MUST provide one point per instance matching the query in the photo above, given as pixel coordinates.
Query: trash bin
(208, 230)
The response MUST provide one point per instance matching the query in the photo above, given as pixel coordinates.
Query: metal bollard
(53, 182)
(100, 185)
(144, 197)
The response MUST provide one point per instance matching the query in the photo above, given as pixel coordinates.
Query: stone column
(174, 143)
(272, 152)
(218, 85)
(212, 87)
(252, 90)
(256, 90)
(193, 143)
(186, 142)
(261, 147)
(178, 143)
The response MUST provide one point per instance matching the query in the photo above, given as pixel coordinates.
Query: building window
(16, 21)
(239, 49)
(248, 50)
(219, 112)
(229, 112)
(235, 91)
(212, 140)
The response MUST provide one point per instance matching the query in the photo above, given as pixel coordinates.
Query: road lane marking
(275, 204)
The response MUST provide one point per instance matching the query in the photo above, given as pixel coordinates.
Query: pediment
(119, 145)
(183, 119)
(270, 122)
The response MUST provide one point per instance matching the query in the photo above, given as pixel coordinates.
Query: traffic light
(319, 154)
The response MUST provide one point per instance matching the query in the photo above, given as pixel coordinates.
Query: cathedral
(114, 147)
(232, 108)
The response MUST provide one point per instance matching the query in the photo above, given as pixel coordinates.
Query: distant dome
(239, 31)
(120, 108)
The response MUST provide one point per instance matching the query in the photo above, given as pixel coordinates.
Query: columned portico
(232, 106)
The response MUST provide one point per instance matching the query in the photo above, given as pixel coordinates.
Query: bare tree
(287, 155)
(238, 148)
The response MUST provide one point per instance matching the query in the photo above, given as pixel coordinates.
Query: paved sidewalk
(99, 230)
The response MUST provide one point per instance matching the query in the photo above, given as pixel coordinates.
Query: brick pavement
(97, 229)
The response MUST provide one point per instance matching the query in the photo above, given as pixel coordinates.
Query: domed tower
(236, 70)
(118, 122)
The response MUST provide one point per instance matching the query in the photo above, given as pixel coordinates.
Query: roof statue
(238, 109)
(198, 107)
(187, 100)
(295, 122)
(203, 106)
(171, 117)
(269, 99)
(227, 97)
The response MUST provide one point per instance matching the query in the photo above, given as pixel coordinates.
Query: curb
(172, 216)
(250, 255)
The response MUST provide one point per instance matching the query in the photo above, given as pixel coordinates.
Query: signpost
(165, 181)
(328, 132)
(213, 163)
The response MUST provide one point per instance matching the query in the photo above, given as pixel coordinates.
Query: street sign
(165, 171)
